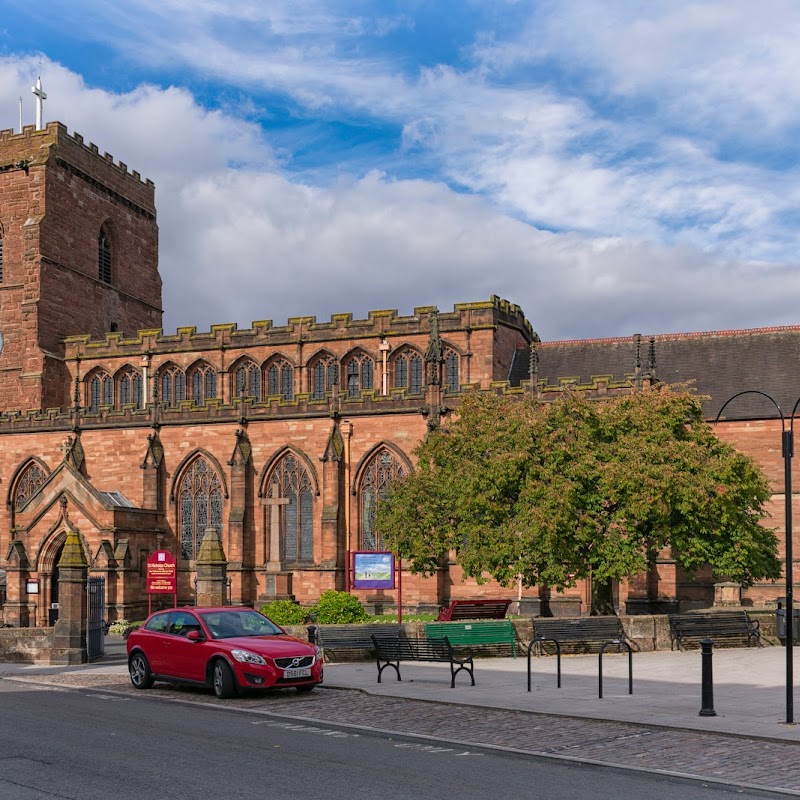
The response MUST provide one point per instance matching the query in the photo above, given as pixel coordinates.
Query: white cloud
(243, 240)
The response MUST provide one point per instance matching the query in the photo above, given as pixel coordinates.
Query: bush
(285, 612)
(339, 608)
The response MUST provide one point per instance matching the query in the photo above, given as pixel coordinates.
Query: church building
(283, 438)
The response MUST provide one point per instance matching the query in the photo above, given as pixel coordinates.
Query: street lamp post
(787, 450)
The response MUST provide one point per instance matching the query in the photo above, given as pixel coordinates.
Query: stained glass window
(408, 372)
(290, 481)
(280, 379)
(359, 371)
(204, 384)
(381, 470)
(324, 377)
(401, 372)
(248, 380)
(28, 484)
(173, 386)
(451, 383)
(130, 389)
(104, 257)
(101, 391)
(200, 496)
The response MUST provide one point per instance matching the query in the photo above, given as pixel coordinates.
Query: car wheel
(305, 689)
(222, 680)
(139, 670)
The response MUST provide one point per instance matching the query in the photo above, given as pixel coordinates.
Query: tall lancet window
(200, 506)
(381, 470)
(290, 491)
(104, 257)
(451, 382)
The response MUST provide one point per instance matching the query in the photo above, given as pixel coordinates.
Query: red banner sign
(162, 573)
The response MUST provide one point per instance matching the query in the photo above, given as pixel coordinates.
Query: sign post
(162, 577)
(376, 570)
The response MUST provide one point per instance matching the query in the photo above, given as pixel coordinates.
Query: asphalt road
(83, 744)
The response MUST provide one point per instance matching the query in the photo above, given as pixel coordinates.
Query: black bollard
(708, 679)
(312, 634)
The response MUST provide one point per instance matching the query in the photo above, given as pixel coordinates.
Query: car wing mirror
(195, 636)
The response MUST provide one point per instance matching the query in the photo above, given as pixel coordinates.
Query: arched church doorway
(53, 612)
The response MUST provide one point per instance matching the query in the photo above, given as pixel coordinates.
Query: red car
(229, 649)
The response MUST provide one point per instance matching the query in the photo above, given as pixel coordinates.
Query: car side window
(157, 624)
(181, 622)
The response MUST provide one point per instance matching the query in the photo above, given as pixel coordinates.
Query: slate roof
(720, 363)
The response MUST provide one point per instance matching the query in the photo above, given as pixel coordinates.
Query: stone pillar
(69, 638)
(212, 571)
(17, 610)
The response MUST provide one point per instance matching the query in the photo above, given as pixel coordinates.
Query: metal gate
(95, 624)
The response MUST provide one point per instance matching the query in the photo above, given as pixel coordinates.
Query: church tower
(78, 255)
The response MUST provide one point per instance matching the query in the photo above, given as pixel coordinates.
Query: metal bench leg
(382, 667)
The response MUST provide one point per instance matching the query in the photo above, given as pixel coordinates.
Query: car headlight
(247, 657)
(318, 653)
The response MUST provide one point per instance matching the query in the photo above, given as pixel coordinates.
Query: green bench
(495, 632)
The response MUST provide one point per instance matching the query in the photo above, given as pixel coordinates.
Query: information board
(162, 573)
(373, 570)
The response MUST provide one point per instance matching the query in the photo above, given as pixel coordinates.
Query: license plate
(303, 672)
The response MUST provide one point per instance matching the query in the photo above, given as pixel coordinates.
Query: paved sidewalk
(657, 729)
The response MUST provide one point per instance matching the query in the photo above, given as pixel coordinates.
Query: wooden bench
(392, 650)
(338, 639)
(604, 631)
(713, 624)
(492, 632)
(473, 609)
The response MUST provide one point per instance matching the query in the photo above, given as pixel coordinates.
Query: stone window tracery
(200, 506)
(451, 381)
(383, 468)
(101, 390)
(173, 386)
(359, 371)
(324, 374)
(203, 381)
(290, 482)
(280, 379)
(130, 388)
(409, 372)
(248, 380)
(30, 481)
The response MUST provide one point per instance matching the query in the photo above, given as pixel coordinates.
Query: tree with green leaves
(553, 492)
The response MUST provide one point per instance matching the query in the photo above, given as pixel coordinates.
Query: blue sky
(611, 167)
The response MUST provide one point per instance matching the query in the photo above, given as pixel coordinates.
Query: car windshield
(239, 622)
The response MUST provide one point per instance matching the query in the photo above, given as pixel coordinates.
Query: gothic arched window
(360, 370)
(280, 379)
(292, 496)
(408, 372)
(104, 257)
(130, 389)
(248, 380)
(324, 374)
(101, 390)
(173, 386)
(451, 383)
(203, 380)
(200, 506)
(382, 469)
(28, 484)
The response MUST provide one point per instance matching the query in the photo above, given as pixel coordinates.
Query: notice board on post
(162, 575)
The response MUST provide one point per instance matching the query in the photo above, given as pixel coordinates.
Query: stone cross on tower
(40, 98)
